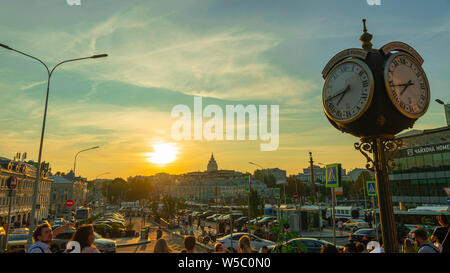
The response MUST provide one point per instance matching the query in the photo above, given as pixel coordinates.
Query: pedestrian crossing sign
(371, 188)
(333, 175)
(276, 193)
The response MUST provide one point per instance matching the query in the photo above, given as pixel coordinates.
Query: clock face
(348, 91)
(407, 85)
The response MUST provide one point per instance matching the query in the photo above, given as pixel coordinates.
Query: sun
(163, 153)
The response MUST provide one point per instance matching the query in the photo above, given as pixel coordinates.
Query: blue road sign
(276, 193)
(332, 175)
(371, 188)
(448, 201)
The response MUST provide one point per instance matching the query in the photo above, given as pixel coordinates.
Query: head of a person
(350, 248)
(245, 244)
(360, 247)
(420, 237)
(328, 249)
(161, 247)
(189, 243)
(407, 243)
(84, 235)
(43, 233)
(218, 247)
(443, 220)
(264, 249)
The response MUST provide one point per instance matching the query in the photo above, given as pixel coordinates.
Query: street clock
(375, 92)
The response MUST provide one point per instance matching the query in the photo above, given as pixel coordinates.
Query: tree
(256, 204)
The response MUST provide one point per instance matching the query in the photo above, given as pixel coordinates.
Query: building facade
(422, 168)
(22, 201)
(63, 190)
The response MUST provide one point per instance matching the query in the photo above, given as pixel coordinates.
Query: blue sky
(163, 53)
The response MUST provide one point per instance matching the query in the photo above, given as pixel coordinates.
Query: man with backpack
(421, 241)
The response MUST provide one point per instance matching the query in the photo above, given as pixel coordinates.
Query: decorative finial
(366, 38)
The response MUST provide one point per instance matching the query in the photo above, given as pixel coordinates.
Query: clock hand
(406, 86)
(343, 94)
(339, 93)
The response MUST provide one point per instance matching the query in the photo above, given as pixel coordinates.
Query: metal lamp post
(75, 160)
(38, 172)
(447, 112)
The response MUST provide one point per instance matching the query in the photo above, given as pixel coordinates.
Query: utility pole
(313, 188)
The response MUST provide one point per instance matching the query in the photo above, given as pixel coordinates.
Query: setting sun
(163, 153)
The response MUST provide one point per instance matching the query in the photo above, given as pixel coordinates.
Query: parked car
(16, 243)
(312, 245)
(255, 220)
(265, 220)
(20, 231)
(59, 243)
(211, 218)
(363, 235)
(256, 242)
(241, 220)
(354, 224)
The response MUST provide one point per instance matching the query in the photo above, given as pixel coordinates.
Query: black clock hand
(343, 94)
(339, 93)
(406, 86)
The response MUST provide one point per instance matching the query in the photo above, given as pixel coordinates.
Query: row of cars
(110, 222)
(237, 217)
(303, 244)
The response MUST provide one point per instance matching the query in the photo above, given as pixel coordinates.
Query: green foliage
(283, 235)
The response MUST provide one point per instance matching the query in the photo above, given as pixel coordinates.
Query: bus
(420, 217)
(82, 214)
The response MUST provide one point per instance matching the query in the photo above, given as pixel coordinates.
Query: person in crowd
(421, 241)
(408, 247)
(161, 247)
(158, 233)
(43, 235)
(264, 249)
(360, 248)
(85, 236)
(340, 226)
(350, 248)
(244, 245)
(218, 247)
(328, 249)
(189, 243)
(441, 236)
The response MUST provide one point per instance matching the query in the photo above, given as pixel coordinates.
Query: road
(175, 242)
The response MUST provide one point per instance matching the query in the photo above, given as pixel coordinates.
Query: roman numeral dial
(348, 91)
(407, 85)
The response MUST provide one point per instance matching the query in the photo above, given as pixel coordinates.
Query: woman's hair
(245, 245)
(443, 219)
(217, 246)
(407, 243)
(328, 249)
(161, 247)
(82, 234)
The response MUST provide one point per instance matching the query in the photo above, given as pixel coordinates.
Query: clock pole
(379, 146)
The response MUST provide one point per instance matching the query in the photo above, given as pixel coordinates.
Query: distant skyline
(164, 53)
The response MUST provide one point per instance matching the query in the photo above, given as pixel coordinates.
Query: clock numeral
(403, 61)
(422, 97)
(395, 63)
(364, 96)
(365, 83)
(422, 85)
(361, 73)
(419, 74)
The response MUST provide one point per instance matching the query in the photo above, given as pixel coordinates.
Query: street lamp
(75, 160)
(446, 106)
(38, 172)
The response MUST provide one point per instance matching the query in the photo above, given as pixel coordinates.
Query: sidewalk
(130, 241)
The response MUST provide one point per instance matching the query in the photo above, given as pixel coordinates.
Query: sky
(165, 53)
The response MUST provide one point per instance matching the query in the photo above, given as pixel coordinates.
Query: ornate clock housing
(348, 91)
(375, 92)
(407, 85)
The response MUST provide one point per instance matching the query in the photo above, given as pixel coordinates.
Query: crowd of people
(83, 238)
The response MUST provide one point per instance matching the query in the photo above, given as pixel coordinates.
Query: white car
(256, 242)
